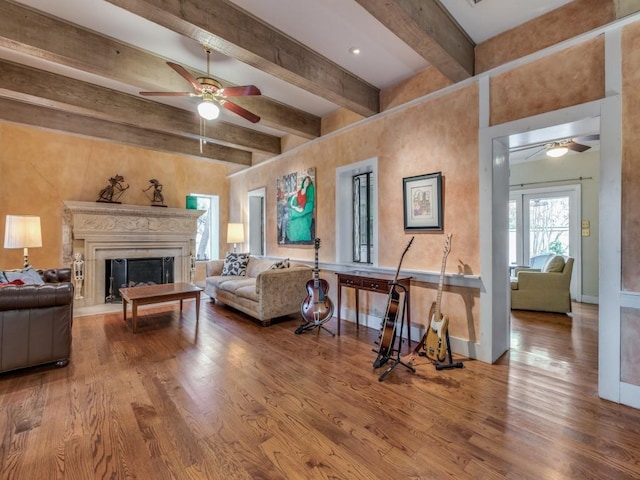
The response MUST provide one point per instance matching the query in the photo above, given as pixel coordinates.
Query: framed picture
(296, 200)
(423, 202)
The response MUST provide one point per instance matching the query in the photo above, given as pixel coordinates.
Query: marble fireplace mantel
(103, 231)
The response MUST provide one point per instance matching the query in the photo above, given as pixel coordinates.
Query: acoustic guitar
(388, 329)
(317, 307)
(435, 343)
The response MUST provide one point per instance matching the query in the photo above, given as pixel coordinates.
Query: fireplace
(102, 231)
(135, 272)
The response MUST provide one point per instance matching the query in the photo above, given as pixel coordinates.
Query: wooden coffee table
(150, 294)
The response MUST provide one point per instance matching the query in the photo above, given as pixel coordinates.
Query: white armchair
(545, 289)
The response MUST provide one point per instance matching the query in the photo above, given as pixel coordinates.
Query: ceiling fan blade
(239, 91)
(588, 138)
(577, 147)
(186, 75)
(536, 152)
(237, 109)
(168, 94)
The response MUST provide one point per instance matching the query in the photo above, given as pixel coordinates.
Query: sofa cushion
(235, 264)
(233, 285)
(28, 275)
(257, 265)
(248, 292)
(554, 264)
(281, 264)
(3, 279)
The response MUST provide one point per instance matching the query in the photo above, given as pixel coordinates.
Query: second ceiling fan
(212, 93)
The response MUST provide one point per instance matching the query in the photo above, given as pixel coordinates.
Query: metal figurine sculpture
(157, 200)
(112, 192)
(78, 274)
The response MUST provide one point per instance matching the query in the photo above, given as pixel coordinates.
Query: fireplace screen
(135, 272)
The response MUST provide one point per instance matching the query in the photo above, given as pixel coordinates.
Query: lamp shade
(22, 231)
(235, 233)
(208, 110)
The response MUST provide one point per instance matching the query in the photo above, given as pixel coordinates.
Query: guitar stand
(317, 323)
(395, 360)
(451, 364)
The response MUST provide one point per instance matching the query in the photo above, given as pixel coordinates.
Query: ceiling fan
(559, 148)
(212, 93)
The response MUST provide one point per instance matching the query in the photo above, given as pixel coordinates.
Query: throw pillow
(28, 275)
(554, 264)
(281, 264)
(235, 264)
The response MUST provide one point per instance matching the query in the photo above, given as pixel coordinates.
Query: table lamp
(235, 234)
(22, 231)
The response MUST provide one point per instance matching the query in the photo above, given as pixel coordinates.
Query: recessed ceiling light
(354, 50)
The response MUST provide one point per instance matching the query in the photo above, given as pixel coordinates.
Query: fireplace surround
(104, 231)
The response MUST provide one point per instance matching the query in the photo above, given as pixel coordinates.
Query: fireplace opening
(135, 272)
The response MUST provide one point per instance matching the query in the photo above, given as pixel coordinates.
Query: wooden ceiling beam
(63, 93)
(52, 119)
(229, 30)
(429, 30)
(34, 34)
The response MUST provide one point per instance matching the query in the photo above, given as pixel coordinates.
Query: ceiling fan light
(556, 152)
(208, 110)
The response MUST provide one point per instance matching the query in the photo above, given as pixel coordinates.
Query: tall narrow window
(362, 218)
(207, 234)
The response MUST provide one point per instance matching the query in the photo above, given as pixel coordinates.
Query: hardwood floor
(240, 401)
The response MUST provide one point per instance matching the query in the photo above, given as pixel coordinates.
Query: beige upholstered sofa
(545, 289)
(263, 293)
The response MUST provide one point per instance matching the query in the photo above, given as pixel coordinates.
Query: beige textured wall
(338, 119)
(437, 136)
(40, 169)
(428, 80)
(561, 24)
(570, 77)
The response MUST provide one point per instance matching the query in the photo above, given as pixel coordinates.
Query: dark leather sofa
(35, 321)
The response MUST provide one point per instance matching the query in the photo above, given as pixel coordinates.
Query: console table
(372, 282)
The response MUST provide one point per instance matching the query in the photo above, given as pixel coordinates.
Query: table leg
(124, 311)
(180, 304)
(409, 319)
(134, 318)
(197, 307)
(339, 300)
(357, 308)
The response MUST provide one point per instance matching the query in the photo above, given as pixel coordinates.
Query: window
(362, 219)
(207, 234)
(357, 212)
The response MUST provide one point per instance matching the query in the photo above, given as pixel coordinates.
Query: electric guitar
(436, 342)
(317, 307)
(388, 329)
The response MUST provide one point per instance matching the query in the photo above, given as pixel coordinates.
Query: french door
(546, 220)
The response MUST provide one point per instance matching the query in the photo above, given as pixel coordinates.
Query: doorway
(547, 220)
(257, 222)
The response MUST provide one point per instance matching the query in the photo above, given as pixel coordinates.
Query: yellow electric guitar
(436, 343)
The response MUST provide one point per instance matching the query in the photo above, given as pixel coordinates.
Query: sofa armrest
(17, 297)
(542, 281)
(281, 292)
(525, 269)
(283, 279)
(214, 268)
